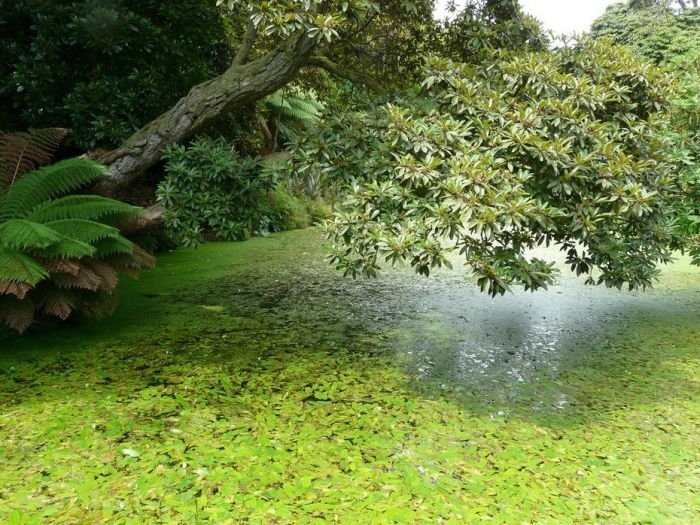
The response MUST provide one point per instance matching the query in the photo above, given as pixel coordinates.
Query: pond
(250, 382)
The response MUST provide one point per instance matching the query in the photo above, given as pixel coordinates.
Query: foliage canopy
(492, 160)
(668, 33)
(104, 68)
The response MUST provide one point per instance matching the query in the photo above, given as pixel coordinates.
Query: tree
(668, 33)
(525, 149)
(653, 29)
(360, 41)
(482, 27)
(282, 37)
(681, 5)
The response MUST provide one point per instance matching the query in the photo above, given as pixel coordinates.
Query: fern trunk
(238, 86)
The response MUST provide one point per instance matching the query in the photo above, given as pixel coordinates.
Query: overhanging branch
(237, 87)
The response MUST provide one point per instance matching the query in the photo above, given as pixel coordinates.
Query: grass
(248, 383)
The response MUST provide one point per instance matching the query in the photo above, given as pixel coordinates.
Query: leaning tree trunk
(236, 87)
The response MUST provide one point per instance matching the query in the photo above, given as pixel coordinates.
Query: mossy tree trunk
(241, 84)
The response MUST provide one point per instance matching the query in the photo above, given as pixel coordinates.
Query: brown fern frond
(87, 279)
(16, 313)
(84, 279)
(57, 303)
(108, 275)
(69, 266)
(22, 152)
(19, 290)
(141, 259)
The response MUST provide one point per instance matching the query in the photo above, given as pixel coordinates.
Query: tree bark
(238, 86)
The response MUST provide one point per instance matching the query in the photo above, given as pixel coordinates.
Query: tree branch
(326, 63)
(238, 86)
(246, 44)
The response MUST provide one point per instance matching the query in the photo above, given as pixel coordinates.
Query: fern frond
(82, 230)
(68, 248)
(84, 279)
(298, 114)
(56, 302)
(307, 107)
(47, 183)
(139, 259)
(61, 266)
(87, 207)
(293, 107)
(16, 313)
(277, 102)
(23, 152)
(19, 290)
(108, 275)
(17, 267)
(27, 235)
(112, 246)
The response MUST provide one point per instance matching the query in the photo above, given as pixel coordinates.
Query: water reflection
(515, 348)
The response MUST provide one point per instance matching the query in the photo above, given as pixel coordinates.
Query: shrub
(210, 188)
(285, 211)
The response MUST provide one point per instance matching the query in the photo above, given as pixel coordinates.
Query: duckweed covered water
(250, 383)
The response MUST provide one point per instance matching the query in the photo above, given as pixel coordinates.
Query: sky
(560, 16)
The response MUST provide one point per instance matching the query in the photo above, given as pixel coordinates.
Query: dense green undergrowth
(249, 383)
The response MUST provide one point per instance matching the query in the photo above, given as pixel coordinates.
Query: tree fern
(59, 253)
(288, 109)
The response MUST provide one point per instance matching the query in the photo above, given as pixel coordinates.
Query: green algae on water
(250, 383)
